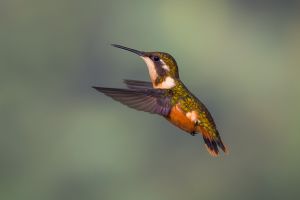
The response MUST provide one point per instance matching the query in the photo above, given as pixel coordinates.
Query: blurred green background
(60, 139)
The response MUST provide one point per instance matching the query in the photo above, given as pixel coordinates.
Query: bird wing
(134, 84)
(154, 101)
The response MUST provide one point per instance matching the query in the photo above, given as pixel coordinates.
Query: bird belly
(179, 118)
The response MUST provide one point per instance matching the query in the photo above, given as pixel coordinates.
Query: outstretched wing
(134, 84)
(154, 101)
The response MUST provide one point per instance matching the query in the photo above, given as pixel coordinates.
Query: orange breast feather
(178, 118)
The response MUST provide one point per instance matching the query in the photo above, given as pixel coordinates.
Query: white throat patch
(167, 83)
(151, 68)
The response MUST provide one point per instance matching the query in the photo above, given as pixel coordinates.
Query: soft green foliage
(60, 139)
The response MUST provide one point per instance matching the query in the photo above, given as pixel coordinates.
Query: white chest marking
(167, 83)
(192, 116)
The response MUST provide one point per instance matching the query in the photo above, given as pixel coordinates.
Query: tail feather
(213, 142)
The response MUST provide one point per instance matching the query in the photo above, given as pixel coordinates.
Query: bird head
(162, 67)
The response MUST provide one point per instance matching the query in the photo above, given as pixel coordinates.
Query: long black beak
(140, 53)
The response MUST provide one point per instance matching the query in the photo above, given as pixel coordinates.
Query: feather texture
(134, 84)
(148, 100)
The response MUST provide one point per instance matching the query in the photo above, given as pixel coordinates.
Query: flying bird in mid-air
(167, 96)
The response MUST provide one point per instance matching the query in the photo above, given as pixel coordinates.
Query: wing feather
(134, 84)
(149, 100)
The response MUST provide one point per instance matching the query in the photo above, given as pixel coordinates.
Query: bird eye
(156, 58)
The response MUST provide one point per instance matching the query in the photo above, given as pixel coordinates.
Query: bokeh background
(60, 139)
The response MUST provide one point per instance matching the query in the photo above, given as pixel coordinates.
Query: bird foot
(193, 133)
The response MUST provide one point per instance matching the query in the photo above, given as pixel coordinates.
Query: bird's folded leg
(193, 133)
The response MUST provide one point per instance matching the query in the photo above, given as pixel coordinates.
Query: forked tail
(213, 141)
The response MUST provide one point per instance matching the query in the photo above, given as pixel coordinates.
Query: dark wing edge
(147, 100)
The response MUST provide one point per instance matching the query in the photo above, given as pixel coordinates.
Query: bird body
(167, 96)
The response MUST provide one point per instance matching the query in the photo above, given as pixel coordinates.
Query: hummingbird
(167, 96)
